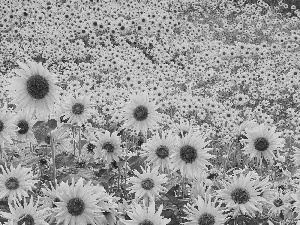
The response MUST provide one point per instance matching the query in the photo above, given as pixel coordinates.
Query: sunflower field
(149, 112)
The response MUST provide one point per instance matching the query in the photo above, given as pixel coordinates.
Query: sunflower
(140, 114)
(78, 109)
(190, 155)
(145, 215)
(49, 199)
(108, 147)
(208, 212)
(242, 194)
(147, 184)
(15, 182)
(279, 202)
(7, 128)
(158, 150)
(25, 125)
(262, 141)
(34, 90)
(78, 204)
(25, 213)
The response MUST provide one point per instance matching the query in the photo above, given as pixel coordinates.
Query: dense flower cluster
(111, 108)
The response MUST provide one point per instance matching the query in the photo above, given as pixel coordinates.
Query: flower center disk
(78, 108)
(278, 202)
(24, 127)
(37, 87)
(91, 147)
(146, 222)
(75, 206)
(26, 220)
(162, 152)
(240, 196)
(147, 184)
(108, 147)
(206, 219)
(261, 144)
(12, 183)
(140, 113)
(188, 154)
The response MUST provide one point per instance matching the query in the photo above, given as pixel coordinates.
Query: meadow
(139, 112)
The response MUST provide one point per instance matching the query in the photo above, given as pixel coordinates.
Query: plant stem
(79, 141)
(1, 153)
(53, 159)
(183, 187)
(74, 143)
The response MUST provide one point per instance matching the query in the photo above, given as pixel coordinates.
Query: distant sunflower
(147, 184)
(262, 141)
(25, 214)
(190, 155)
(78, 204)
(108, 147)
(78, 109)
(140, 114)
(279, 203)
(206, 213)
(24, 124)
(16, 182)
(7, 128)
(158, 150)
(145, 216)
(34, 90)
(242, 194)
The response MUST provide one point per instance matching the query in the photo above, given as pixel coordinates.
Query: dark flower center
(75, 206)
(147, 184)
(91, 147)
(240, 196)
(108, 147)
(37, 87)
(278, 202)
(77, 108)
(12, 183)
(140, 113)
(24, 127)
(162, 151)
(1, 126)
(188, 154)
(43, 161)
(206, 219)
(146, 222)
(212, 176)
(261, 144)
(26, 219)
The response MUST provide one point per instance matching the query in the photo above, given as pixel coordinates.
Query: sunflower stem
(1, 153)
(74, 143)
(183, 187)
(79, 141)
(53, 160)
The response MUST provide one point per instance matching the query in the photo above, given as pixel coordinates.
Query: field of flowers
(149, 112)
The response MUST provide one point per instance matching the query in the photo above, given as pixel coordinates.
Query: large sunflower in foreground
(262, 141)
(78, 204)
(25, 214)
(158, 150)
(190, 155)
(16, 182)
(34, 90)
(108, 147)
(147, 184)
(145, 216)
(78, 109)
(242, 194)
(207, 212)
(140, 114)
